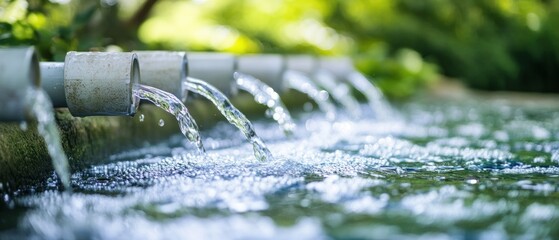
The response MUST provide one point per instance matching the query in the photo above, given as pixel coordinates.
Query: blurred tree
(496, 45)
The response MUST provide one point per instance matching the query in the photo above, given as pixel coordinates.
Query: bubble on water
(367, 204)
(539, 159)
(472, 181)
(141, 117)
(540, 133)
(539, 212)
(475, 130)
(555, 156)
(501, 136)
(334, 188)
(161, 122)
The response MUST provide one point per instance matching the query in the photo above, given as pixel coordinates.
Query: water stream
(40, 109)
(300, 82)
(341, 92)
(172, 105)
(376, 99)
(265, 95)
(232, 114)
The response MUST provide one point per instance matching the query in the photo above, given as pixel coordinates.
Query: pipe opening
(34, 70)
(135, 81)
(184, 75)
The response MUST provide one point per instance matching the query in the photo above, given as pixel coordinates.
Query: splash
(40, 108)
(232, 114)
(172, 105)
(266, 95)
(298, 81)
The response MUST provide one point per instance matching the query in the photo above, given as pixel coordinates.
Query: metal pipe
(305, 64)
(164, 70)
(340, 67)
(215, 68)
(268, 68)
(19, 71)
(101, 83)
(52, 81)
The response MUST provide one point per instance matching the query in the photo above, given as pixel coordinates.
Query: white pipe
(268, 68)
(52, 81)
(340, 67)
(214, 68)
(19, 70)
(164, 70)
(304, 64)
(101, 83)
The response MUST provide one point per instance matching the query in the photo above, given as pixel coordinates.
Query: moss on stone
(24, 160)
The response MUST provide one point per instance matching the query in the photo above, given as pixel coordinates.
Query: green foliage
(495, 45)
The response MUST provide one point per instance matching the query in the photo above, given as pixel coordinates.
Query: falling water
(40, 109)
(340, 91)
(376, 99)
(232, 114)
(172, 105)
(266, 95)
(302, 83)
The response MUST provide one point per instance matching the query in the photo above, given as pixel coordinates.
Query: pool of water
(441, 170)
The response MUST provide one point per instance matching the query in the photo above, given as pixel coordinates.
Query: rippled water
(466, 170)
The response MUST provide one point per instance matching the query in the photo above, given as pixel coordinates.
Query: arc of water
(40, 108)
(340, 91)
(376, 99)
(302, 83)
(232, 114)
(171, 104)
(266, 95)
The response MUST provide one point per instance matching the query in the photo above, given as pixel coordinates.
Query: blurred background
(404, 45)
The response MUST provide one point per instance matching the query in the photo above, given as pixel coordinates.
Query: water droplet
(269, 112)
(23, 126)
(161, 123)
(141, 117)
(307, 107)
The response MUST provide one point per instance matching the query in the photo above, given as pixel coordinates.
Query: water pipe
(214, 68)
(340, 67)
(52, 81)
(268, 68)
(305, 64)
(164, 70)
(101, 83)
(93, 83)
(19, 70)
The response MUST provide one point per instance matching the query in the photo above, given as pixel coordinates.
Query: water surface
(446, 170)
